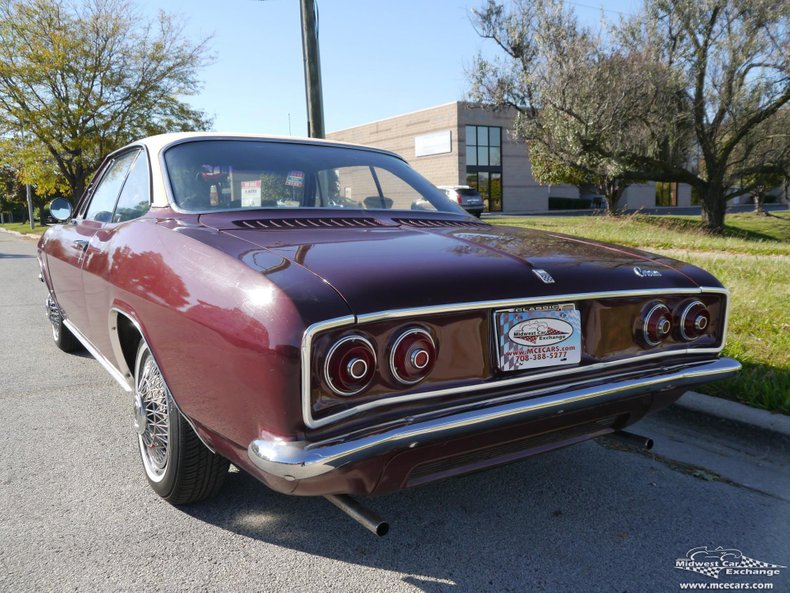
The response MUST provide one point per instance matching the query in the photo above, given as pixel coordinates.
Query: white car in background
(465, 196)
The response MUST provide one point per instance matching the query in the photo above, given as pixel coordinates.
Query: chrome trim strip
(509, 303)
(307, 347)
(116, 343)
(299, 460)
(108, 366)
(726, 319)
(315, 328)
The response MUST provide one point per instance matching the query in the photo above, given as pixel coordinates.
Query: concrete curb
(735, 412)
(22, 235)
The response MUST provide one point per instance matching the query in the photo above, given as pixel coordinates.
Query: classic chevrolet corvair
(321, 316)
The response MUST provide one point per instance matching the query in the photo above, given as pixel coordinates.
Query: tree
(764, 157)
(582, 105)
(31, 164)
(734, 59)
(78, 81)
(12, 192)
(725, 63)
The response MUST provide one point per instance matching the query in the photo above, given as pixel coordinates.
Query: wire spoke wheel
(152, 418)
(179, 467)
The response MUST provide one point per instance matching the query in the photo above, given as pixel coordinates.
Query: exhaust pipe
(632, 439)
(361, 514)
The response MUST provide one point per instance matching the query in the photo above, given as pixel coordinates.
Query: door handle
(80, 244)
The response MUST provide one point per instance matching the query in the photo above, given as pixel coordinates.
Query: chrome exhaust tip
(632, 439)
(360, 513)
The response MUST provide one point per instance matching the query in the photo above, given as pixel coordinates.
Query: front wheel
(178, 466)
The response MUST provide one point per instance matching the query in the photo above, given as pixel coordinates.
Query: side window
(106, 193)
(354, 187)
(398, 194)
(134, 200)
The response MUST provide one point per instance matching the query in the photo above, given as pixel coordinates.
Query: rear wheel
(178, 466)
(61, 335)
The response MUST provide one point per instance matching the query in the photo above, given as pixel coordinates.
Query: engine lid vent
(307, 223)
(436, 223)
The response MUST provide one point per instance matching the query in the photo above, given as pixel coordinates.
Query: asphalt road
(77, 515)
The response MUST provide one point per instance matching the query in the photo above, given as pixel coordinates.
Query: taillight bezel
(683, 317)
(400, 377)
(371, 366)
(656, 324)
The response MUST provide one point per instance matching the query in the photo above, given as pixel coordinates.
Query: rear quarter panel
(226, 336)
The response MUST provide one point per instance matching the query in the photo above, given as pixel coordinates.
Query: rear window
(467, 191)
(208, 175)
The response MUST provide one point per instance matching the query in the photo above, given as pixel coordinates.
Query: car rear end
(401, 398)
(466, 197)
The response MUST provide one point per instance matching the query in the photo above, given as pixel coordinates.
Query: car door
(103, 251)
(65, 262)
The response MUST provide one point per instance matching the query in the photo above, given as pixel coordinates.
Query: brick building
(459, 143)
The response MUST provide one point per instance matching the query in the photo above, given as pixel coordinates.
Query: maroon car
(321, 316)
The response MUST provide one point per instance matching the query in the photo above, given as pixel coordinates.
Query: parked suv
(467, 197)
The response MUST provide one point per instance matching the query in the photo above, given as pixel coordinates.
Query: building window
(666, 193)
(484, 164)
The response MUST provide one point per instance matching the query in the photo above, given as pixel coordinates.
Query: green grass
(23, 227)
(752, 259)
(744, 233)
(759, 327)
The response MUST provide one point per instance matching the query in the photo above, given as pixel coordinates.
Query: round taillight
(412, 356)
(693, 320)
(350, 365)
(656, 324)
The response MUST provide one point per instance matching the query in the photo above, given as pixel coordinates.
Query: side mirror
(60, 209)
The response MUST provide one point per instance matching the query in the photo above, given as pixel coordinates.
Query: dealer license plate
(539, 336)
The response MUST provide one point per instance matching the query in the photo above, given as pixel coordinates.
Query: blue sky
(378, 59)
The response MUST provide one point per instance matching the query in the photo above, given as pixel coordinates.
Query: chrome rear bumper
(299, 460)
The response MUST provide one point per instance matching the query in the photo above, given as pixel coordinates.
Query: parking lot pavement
(77, 515)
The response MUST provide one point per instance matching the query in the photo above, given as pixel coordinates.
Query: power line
(582, 5)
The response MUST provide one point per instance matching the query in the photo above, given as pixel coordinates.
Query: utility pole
(30, 206)
(28, 193)
(312, 70)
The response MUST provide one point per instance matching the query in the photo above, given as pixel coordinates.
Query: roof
(156, 144)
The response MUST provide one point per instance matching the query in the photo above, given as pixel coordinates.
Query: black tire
(61, 335)
(478, 214)
(180, 469)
